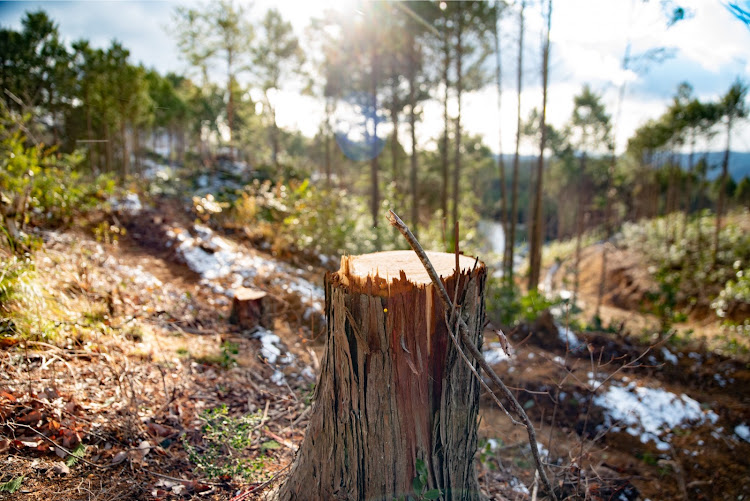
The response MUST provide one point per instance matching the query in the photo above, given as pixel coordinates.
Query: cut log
(393, 393)
(247, 307)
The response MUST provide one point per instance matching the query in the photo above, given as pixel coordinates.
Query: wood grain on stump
(393, 389)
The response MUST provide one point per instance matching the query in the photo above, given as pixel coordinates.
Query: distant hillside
(739, 162)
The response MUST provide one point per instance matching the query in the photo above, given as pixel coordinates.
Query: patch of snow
(668, 356)
(493, 443)
(742, 431)
(559, 360)
(518, 486)
(567, 336)
(270, 345)
(308, 373)
(722, 382)
(494, 354)
(694, 356)
(129, 204)
(650, 412)
(138, 276)
(278, 378)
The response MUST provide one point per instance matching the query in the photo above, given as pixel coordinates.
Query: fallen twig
(464, 332)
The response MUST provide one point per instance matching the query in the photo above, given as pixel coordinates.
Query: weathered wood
(393, 389)
(247, 307)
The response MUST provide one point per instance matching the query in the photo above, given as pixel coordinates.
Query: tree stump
(247, 307)
(394, 402)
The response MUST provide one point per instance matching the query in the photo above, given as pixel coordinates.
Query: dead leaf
(31, 418)
(159, 430)
(119, 457)
(144, 448)
(60, 468)
(7, 395)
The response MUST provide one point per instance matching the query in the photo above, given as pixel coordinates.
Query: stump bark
(247, 307)
(393, 393)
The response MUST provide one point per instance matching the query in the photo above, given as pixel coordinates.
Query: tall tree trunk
(535, 251)
(125, 154)
(579, 235)
(500, 160)
(722, 192)
(137, 148)
(108, 147)
(510, 240)
(394, 402)
(274, 140)
(328, 128)
(90, 134)
(459, 89)
(446, 124)
(230, 101)
(374, 164)
(411, 76)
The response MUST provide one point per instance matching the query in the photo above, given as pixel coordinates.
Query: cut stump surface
(393, 391)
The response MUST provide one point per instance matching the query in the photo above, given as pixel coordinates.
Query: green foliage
(223, 451)
(77, 454)
(733, 302)
(12, 485)
(56, 191)
(419, 484)
(684, 270)
(302, 216)
(507, 306)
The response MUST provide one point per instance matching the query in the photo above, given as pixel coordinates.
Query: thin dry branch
(464, 332)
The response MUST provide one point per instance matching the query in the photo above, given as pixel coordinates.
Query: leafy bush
(301, 216)
(506, 304)
(55, 191)
(733, 302)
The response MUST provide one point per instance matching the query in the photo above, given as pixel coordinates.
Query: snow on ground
(650, 413)
(567, 336)
(129, 204)
(742, 431)
(494, 353)
(668, 356)
(214, 257)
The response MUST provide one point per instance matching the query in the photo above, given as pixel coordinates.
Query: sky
(711, 49)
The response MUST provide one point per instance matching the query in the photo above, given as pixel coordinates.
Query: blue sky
(588, 41)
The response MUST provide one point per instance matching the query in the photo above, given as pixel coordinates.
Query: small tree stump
(247, 307)
(393, 390)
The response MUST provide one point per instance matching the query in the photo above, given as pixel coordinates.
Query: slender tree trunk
(230, 101)
(274, 140)
(394, 402)
(500, 160)
(722, 192)
(328, 143)
(108, 147)
(125, 154)
(446, 123)
(394, 154)
(374, 164)
(90, 134)
(459, 89)
(411, 75)
(510, 241)
(535, 254)
(137, 148)
(579, 236)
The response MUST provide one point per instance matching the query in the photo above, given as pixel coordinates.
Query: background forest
(581, 235)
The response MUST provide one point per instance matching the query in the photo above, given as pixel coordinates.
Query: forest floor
(117, 405)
